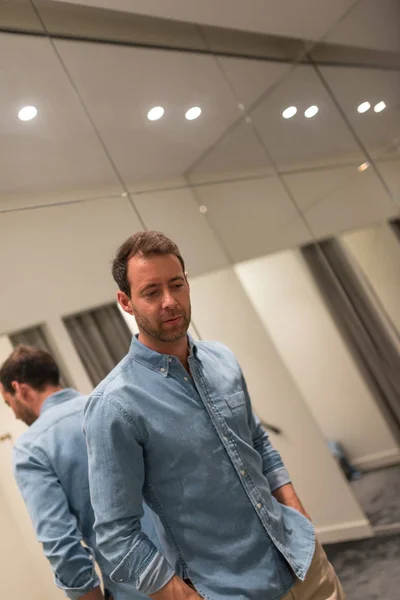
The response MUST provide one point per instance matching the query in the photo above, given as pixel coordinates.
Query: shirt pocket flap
(236, 400)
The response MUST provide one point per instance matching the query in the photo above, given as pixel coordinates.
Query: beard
(25, 414)
(161, 332)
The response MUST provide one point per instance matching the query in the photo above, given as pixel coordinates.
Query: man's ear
(22, 389)
(124, 302)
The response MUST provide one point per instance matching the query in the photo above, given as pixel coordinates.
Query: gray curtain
(373, 345)
(35, 336)
(101, 338)
(395, 225)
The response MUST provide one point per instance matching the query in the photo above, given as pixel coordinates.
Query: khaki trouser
(321, 582)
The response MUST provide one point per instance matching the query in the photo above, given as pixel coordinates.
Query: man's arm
(273, 467)
(287, 495)
(56, 528)
(116, 475)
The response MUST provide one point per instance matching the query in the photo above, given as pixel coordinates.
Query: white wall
(231, 318)
(377, 252)
(292, 310)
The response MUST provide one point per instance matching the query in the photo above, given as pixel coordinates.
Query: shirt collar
(58, 398)
(154, 360)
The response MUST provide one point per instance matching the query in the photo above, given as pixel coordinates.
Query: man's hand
(95, 594)
(286, 495)
(176, 589)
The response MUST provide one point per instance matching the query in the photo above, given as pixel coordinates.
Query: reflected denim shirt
(192, 447)
(50, 467)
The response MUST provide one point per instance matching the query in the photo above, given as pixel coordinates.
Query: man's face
(19, 405)
(160, 297)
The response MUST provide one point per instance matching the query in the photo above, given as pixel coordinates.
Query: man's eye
(151, 294)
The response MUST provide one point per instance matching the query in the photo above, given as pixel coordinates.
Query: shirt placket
(230, 446)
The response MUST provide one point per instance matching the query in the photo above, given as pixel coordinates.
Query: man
(50, 465)
(173, 423)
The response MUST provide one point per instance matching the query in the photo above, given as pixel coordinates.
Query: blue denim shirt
(50, 467)
(194, 449)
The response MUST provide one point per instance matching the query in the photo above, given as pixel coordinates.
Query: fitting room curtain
(101, 338)
(395, 225)
(369, 335)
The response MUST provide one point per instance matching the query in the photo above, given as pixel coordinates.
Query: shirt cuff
(278, 478)
(155, 575)
(74, 593)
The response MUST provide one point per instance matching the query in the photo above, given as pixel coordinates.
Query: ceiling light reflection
(193, 113)
(311, 111)
(379, 107)
(363, 107)
(289, 112)
(155, 113)
(27, 113)
(363, 167)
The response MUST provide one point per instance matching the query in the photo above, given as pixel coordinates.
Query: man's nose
(168, 300)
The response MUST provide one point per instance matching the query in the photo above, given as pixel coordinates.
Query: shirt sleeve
(116, 476)
(273, 468)
(56, 528)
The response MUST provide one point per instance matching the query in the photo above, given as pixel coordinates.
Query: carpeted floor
(368, 569)
(378, 492)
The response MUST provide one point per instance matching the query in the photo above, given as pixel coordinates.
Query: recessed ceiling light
(363, 167)
(289, 112)
(27, 113)
(193, 113)
(311, 111)
(363, 107)
(155, 113)
(380, 106)
(203, 209)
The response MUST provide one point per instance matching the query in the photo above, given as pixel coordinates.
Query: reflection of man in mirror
(50, 466)
(173, 424)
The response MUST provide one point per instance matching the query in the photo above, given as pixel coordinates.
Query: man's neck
(180, 348)
(42, 397)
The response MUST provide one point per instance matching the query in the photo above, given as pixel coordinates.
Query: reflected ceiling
(240, 159)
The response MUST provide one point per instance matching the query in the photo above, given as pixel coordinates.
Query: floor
(368, 569)
(378, 492)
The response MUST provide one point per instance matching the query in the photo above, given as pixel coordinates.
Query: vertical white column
(298, 321)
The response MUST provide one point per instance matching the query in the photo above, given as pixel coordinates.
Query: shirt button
(186, 379)
(243, 472)
(170, 359)
(225, 438)
(259, 505)
(162, 370)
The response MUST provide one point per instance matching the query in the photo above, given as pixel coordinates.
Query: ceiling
(365, 23)
(267, 183)
(68, 154)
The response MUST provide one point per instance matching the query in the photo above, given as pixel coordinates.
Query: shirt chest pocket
(233, 409)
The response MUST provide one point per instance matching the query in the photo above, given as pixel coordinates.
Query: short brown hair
(146, 244)
(28, 364)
